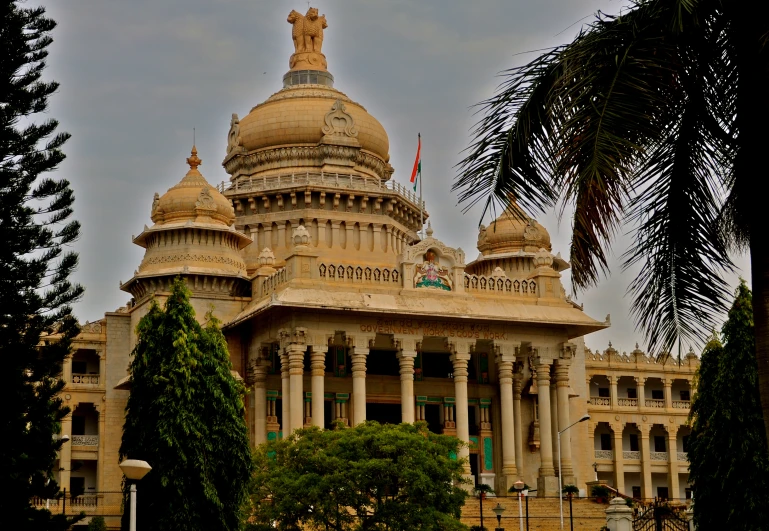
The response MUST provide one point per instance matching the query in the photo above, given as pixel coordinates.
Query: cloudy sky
(137, 76)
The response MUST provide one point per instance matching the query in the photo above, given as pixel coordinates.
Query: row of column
(552, 417)
(667, 384)
(384, 238)
(646, 472)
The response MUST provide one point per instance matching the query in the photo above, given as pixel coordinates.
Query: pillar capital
(542, 368)
(460, 350)
(505, 370)
(667, 382)
(639, 380)
(293, 336)
(562, 372)
(567, 351)
(507, 350)
(644, 429)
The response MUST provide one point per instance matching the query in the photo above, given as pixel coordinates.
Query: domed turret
(513, 231)
(194, 236)
(193, 199)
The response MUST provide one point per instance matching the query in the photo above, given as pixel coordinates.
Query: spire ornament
(193, 159)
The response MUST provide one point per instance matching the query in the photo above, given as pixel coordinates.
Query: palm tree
(654, 119)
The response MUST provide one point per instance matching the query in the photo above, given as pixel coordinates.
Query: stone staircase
(543, 514)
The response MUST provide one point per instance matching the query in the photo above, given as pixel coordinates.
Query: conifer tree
(35, 293)
(185, 418)
(728, 459)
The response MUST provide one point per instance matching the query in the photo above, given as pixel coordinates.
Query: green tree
(372, 476)
(655, 119)
(35, 293)
(97, 523)
(728, 459)
(185, 418)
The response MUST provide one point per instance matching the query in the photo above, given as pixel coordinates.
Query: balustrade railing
(628, 402)
(85, 440)
(365, 275)
(658, 456)
(632, 455)
(270, 283)
(87, 379)
(604, 454)
(333, 180)
(682, 456)
(655, 403)
(599, 401)
(500, 285)
(682, 404)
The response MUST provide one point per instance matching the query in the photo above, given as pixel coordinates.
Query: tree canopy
(653, 120)
(369, 477)
(185, 417)
(728, 457)
(35, 265)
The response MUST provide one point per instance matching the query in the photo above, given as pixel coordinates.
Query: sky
(137, 76)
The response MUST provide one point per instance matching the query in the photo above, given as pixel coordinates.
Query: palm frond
(680, 290)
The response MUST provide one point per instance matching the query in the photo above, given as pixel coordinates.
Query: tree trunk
(750, 171)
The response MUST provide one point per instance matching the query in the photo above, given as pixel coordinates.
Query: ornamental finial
(193, 160)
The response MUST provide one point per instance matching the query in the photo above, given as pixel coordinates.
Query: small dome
(193, 199)
(298, 114)
(513, 231)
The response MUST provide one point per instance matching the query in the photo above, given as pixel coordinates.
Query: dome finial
(193, 160)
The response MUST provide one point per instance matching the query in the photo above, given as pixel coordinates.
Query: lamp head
(518, 485)
(135, 469)
(584, 418)
(498, 510)
(64, 438)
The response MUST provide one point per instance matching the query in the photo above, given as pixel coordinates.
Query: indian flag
(416, 173)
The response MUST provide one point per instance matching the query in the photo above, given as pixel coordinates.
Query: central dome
(513, 231)
(302, 115)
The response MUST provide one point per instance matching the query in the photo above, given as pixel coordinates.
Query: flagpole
(421, 208)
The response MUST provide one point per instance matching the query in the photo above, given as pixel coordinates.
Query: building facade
(340, 306)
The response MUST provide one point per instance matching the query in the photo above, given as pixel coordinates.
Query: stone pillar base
(547, 486)
(569, 480)
(507, 480)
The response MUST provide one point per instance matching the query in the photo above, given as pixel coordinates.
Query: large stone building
(338, 306)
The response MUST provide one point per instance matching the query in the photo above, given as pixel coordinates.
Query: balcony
(604, 454)
(655, 403)
(683, 456)
(86, 379)
(85, 440)
(682, 404)
(632, 455)
(628, 402)
(658, 456)
(599, 401)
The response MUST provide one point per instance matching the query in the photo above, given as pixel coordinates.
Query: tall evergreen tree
(185, 418)
(728, 459)
(35, 293)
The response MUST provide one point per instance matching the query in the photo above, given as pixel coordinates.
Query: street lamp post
(134, 469)
(498, 510)
(560, 480)
(518, 486)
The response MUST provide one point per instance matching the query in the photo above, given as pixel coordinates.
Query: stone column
(673, 487)
(285, 393)
(336, 238)
(591, 445)
(646, 467)
(296, 370)
(640, 391)
(517, 390)
(562, 390)
(318, 374)
(377, 237)
(359, 355)
(406, 359)
(459, 358)
(260, 402)
(668, 386)
(282, 235)
(268, 236)
(388, 238)
(619, 517)
(554, 419)
(547, 484)
(505, 372)
(65, 453)
(321, 242)
(619, 458)
(613, 389)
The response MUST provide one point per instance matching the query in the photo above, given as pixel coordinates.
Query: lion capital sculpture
(307, 30)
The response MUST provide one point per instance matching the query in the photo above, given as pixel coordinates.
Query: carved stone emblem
(432, 275)
(307, 30)
(205, 200)
(155, 201)
(339, 122)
